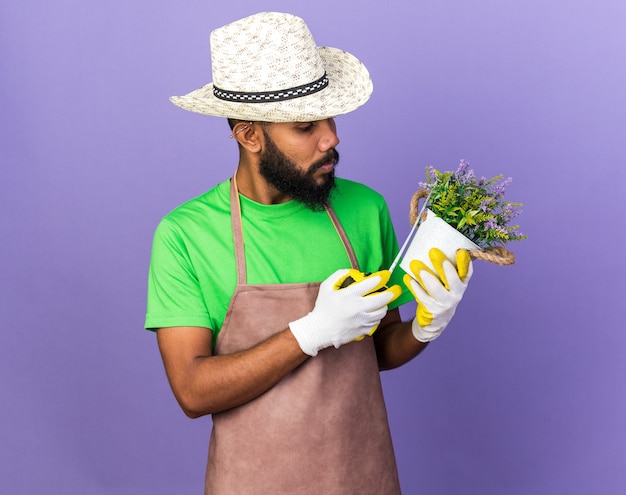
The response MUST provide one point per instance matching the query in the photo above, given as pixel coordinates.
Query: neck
(254, 186)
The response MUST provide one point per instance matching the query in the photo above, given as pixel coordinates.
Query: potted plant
(464, 211)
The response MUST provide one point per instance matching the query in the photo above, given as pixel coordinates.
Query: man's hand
(437, 294)
(342, 315)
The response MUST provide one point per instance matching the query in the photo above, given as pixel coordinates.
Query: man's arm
(204, 384)
(394, 341)
(437, 295)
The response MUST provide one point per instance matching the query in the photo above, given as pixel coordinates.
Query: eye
(306, 127)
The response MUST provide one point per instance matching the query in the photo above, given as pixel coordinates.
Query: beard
(282, 173)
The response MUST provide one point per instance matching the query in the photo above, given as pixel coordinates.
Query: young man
(288, 366)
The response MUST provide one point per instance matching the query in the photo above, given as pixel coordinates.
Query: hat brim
(348, 88)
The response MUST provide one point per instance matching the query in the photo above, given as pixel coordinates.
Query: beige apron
(323, 429)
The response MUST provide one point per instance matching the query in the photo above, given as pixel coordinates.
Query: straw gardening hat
(267, 67)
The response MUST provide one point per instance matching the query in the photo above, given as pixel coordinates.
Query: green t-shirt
(193, 272)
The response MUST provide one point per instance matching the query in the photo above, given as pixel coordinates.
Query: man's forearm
(207, 384)
(394, 341)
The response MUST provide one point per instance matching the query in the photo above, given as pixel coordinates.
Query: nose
(329, 137)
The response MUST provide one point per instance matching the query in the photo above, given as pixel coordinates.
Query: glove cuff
(422, 335)
(304, 330)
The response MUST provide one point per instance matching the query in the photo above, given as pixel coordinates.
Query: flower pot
(435, 232)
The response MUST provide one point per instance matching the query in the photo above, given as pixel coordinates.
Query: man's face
(305, 171)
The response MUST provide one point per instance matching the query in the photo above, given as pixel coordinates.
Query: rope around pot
(498, 255)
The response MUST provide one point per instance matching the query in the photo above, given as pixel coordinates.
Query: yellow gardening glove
(437, 294)
(342, 315)
(356, 276)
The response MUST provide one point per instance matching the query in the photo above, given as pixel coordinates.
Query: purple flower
(463, 167)
(464, 174)
(484, 206)
(501, 188)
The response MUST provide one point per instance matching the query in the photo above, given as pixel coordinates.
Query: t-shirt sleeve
(174, 294)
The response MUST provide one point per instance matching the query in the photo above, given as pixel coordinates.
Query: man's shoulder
(210, 202)
(210, 208)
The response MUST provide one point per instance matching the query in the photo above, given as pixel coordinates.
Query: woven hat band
(270, 96)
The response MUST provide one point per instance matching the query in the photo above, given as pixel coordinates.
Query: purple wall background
(524, 393)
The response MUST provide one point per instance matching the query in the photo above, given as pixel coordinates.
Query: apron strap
(235, 209)
(343, 236)
(235, 214)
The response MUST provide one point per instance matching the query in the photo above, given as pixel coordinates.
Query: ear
(249, 136)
